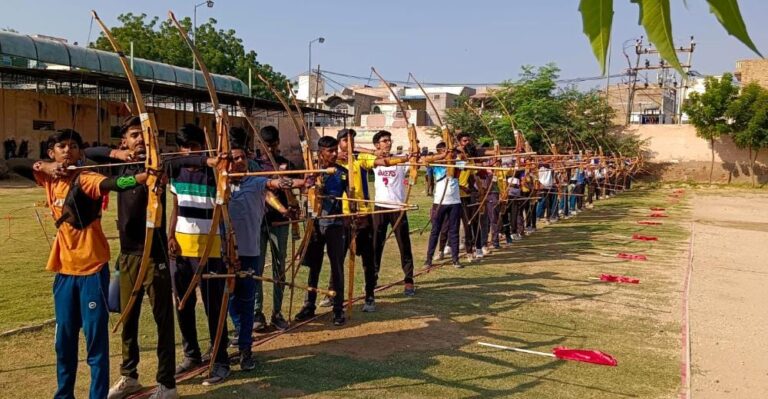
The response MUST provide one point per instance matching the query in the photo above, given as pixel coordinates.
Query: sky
(481, 41)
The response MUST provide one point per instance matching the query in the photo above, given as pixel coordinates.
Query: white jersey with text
(389, 183)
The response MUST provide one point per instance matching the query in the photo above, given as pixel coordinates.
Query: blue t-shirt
(247, 208)
(334, 186)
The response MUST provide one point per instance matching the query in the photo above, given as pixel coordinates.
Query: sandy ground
(728, 298)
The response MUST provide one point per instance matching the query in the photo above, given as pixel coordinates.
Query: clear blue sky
(439, 41)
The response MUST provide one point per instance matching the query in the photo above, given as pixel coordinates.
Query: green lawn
(536, 293)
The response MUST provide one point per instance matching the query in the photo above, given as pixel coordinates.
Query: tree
(222, 50)
(545, 114)
(748, 114)
(707, 111)
(656, 19)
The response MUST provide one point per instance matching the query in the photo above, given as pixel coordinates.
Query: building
(47, 85)
(651, 103)
(754, 70)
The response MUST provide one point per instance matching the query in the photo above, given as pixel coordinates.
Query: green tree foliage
(748, 116)
(656, 19)
(707, 111)
(222, 50)
(546, 115)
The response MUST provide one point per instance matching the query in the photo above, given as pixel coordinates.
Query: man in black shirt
(131, 224)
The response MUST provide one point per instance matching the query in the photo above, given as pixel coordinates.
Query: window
(376, 110)
(42, 125)
(436, 97)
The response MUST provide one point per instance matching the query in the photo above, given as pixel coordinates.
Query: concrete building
(754, 70)
(47, 85)
(651, 104)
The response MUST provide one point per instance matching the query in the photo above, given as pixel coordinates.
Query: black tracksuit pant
(380, 224)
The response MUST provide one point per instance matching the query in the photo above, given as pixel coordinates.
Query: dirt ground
(729, 317)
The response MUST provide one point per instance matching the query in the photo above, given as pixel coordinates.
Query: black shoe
(369, 306)
(219, 373)
(409, 289)
(259, 322)
(247, 361)
(188, 364)
(206, 356)
(279, 322)
(305, 313)
(457, 265)
(339, 319)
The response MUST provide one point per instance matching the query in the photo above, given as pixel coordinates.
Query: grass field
(536, 294)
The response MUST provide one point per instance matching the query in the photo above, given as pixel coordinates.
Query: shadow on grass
(456, 312)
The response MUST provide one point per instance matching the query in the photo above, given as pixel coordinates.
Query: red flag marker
(563, 353)
(610, 278)
(649, 222)
(657, 215)
(641, 237)
(627, 256)
(657, 209)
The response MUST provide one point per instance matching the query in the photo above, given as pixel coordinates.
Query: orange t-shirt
(75, 252)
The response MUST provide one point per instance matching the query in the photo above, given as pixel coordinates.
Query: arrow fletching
(585, 356)
(610, 278)
(563, 353)
(640, 237)
(649, 222)
(623, 255)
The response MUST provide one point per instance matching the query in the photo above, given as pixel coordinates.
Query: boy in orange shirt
(78, 256)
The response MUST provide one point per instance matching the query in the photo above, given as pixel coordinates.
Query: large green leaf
(656, 19)
(597, 17)
(727, 12)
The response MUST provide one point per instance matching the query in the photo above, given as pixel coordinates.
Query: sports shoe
(188, 364)
(305, 313)
(339, 319)
(427, 264)
(508, 239)
(279, 322)
(479, 253)
(124, 387)
(233, 342)
(457, 265)
(326, 302)
(369, 306)
(470, 257)
(447, 250)
(247, 361)
(259, 322)
(219, 373)
(487, 251)
(163, 392)
(409, 289)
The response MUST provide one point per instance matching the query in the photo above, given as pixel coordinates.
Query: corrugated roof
(47, 51)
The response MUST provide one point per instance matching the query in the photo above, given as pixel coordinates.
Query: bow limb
(151, 164)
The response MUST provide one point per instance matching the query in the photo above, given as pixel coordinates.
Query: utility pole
(663, 67)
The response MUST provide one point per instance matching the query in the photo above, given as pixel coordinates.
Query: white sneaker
(124, 387)
(163, 392)
(447, 250)
(478, 253)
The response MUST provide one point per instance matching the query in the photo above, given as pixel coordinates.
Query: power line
(561, 81)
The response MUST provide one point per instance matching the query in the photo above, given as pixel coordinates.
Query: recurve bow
(223, 193)
(152, 166)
